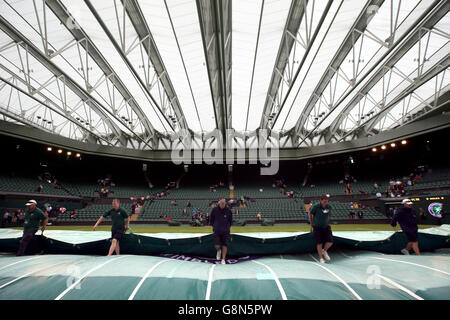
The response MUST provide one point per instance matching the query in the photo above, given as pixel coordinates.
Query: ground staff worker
(319, 218)
(221, 219)
(120, 223)
(33, 217)
(406, 217)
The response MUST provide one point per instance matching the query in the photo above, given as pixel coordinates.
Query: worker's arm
(211, 218)
(394, 220)
(44, 224)
(98, 222)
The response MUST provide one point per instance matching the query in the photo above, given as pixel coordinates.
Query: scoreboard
(433, 206)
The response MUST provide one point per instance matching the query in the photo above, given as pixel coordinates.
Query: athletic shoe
(219, 253)
(405, 252)
(223, 262)
(325, 255)
(321, 260)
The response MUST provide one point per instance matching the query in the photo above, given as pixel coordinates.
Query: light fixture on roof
(383, 147)
(60, 151)
(78, 155)
(49, 149)
(374, 149)
(404, 142)
(69, 153)
(393, 144)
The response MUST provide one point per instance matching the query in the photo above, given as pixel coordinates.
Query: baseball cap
(30, 202)
(406, 201)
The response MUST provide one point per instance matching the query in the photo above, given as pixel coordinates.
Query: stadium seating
(28, 185)
(271, 209)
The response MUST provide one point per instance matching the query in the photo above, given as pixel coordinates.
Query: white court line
(145, 277)
(84, 276)
(24, 275)
(337, 277)
(208, 288)
(395, 284)
(11, 264)
(16, 279)
(414, 264)
(277, 281)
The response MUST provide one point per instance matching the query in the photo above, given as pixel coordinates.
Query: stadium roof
(134, 73)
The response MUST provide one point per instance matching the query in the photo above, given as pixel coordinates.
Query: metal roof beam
(97, 107)
(368, 125)
(78, 33)
(435, 12)
(122, 54)
(140, 25)
(215, 25)
(291, 28)
(351, 38)
(55, 109)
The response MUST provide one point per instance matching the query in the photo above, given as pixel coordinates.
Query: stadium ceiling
(138, 74)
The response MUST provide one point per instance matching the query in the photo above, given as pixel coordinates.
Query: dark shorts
(117, 233)
(323, 234)
(412, 236)
(221, 239)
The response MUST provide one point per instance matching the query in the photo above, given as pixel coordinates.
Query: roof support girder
(142, 29)
(291, 28)
(122, 54)
(215, 26)
(97, 107)
(438, 10)
(62, 14)
(351, 38)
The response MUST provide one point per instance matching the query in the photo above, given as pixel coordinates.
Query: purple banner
(183, 257)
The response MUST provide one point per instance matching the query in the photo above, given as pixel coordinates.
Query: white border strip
(11, 264)
(208, 288)
(337, 277)
(16, 279)
(84, 276)
(145, 277)
(277, 281)
(395, 284)
(414, 264)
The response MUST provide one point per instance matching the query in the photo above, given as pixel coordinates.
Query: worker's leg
(118, 248)
(409, 246)
(224, 252)
(26, 239)
(415, 246)
(328, 238)
(319, 250)
(113, 247)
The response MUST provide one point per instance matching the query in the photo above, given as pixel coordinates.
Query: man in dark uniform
(221, 219)
(33, 217)
(120, 223)
(319, 219)
(406, 217)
